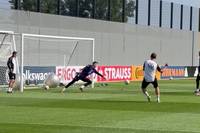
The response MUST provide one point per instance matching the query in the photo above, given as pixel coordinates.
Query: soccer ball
(171, 78)
(126, 82)
(52, 81)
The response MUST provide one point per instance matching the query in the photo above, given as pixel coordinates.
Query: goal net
(7, 46)
(43, 54)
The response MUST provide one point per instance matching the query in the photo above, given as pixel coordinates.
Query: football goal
(46, 51)
(7, 46)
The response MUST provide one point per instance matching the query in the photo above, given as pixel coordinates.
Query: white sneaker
(196, 91)
(63, 90)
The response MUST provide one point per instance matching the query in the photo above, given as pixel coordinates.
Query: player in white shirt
(197, 91)
(150, 67)
(12, 67)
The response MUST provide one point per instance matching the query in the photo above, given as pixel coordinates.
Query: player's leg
(157, 90)
(70, 83)
(10, 86)
(11, 82)
(197, 83)
(88, 82)
(144, 90)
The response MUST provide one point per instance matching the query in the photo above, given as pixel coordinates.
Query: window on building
(86, 8)
(130, 11)
(28, 5)
(48, 6)
(116, 10)
(68, 7)
(101, 9)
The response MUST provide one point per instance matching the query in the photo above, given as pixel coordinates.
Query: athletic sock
(147, 94)
(63, 89)
(158, 98)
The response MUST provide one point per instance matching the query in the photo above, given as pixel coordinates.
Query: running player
(150, 67)
(11, 64)
(85, 72)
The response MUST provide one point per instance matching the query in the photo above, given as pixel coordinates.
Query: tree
(12, 3)
(130, 9)
(68, 7)
(27, 5)
(86, 8)
(116, 10)
(101, 9)
(82, 8)
(48, 6)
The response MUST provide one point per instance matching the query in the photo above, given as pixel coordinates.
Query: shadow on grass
(39, 128)
(102, 105)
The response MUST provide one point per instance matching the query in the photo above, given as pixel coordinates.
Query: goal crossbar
(58, 37)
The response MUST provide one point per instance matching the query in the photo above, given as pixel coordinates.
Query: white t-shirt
(150, 68)
(15, 65)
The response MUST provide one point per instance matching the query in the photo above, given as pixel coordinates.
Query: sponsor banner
(175, 72)
(36, 73)
(114, 73)
(192, 71)
(138, 74)
(66, 74)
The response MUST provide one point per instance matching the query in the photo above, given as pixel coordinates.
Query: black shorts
(145, 84)
(12, 76)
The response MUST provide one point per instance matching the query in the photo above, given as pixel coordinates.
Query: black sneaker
(81, 89)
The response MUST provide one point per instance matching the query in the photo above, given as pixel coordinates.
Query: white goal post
(39, 36)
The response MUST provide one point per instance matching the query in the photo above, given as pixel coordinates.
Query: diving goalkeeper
(85, 72)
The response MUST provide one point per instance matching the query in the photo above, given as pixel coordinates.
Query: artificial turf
(115, 108)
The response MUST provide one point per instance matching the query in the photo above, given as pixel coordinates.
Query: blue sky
(195, 3)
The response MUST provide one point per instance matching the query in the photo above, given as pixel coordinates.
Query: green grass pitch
(116, 108)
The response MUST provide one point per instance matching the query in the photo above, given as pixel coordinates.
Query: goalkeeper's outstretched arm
(96, 72)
